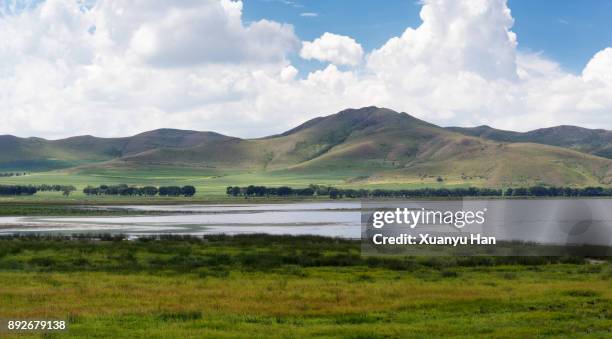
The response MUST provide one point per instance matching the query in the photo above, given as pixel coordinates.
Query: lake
(537, 220)
(334, 219)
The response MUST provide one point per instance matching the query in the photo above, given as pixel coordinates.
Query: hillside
(33, 154)
(593, 141)
(376, 145)
(363, 146)
(338, 135)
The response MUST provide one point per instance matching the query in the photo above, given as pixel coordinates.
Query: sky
(260, 67)
(544, 26)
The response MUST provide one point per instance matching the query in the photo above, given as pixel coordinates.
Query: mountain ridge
(592, 141)
(38, 153)
(370, 144)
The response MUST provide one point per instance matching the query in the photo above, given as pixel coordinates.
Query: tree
(188, 191)
(17, 190)
(538, 191)
(66, 190)
(172, 191)
(149, 191)
(284, 191)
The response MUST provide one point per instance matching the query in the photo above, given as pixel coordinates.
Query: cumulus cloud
(185, 33)
(129, 66)
(455, 37)
(599, 67)
(118, 67)
(337, 49)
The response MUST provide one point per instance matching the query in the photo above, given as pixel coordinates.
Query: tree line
(263, 191)
(150, 191)
(338, 193)
(17, 190)
(542, 191)
(33, 189)
(55, 188)
(12, 174)
(65, 189)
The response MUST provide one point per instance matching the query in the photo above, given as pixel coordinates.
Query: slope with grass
(593, 141)
(370, 146)
(376, 145)
(33, 154)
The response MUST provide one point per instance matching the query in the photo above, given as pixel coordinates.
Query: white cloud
(132, 65)
(456, 36)
(185, 33)
(337, 49)
(599, 67)
(309, 14)
(117, 67)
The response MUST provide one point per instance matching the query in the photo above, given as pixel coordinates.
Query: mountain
(41, 154)
(593, 141)
(376, 146)
(313, 143)
(370, 145)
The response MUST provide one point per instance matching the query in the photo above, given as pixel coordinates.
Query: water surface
(538, 220)
(326, 219)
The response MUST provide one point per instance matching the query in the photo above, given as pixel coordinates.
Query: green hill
(31, 154)
(367, 146)
(341, 135)
(379, 146)
(593, 141)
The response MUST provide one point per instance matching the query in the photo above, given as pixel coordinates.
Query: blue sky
(569, 32)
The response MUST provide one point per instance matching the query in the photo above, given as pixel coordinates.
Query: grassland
(263, 286)
(210, 184)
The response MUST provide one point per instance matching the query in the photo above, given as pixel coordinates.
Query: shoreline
(61, 201)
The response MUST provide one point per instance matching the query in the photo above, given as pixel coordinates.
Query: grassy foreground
(266, 286)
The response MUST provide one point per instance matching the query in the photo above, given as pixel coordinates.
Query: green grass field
(263, 286)
(210, 183)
